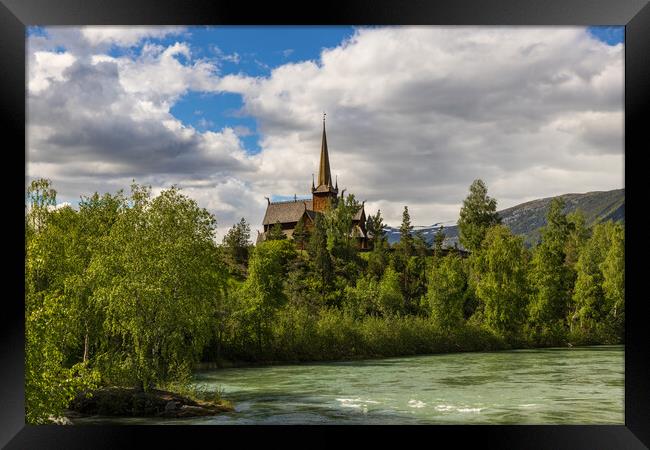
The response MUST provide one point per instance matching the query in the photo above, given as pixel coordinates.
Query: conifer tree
(300, 234)
(375, 227)
(438, 240)
(405, 237)
(237, 242)
(477, 214)
(275, 233)
(320, 256)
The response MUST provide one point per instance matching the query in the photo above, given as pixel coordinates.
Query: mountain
(527, 218)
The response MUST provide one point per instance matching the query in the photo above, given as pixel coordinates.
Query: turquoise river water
(544, 386)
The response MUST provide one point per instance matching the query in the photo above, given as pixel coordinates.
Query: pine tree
(300, 234)
(237, 242)
(477, 214)
(275, 233)
(375, 227)
(438, 240)
(320, 256)
(405, 237)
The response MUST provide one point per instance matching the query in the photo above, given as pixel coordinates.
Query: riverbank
(241, 364)
(130, 402)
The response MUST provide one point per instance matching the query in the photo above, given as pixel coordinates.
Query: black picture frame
(15, 15)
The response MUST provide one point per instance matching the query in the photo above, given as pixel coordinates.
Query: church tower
(325, 193)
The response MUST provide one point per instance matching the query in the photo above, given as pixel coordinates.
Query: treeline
(133, 290)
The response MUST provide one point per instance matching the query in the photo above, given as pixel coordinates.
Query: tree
(446, 291)
(577, 238)
(438, 240)
(237, 242)
(41, 197)
(500, 267)
(338, 225)
(158, 285)
(375, 227)
(599, 289)
(549, 277)
(320, 258)
(378, 258)
(300, 234)
(390, 299)
(406, 245)
(363, 299)
(613, 269)
(477, 214)
(262, 292)
(276, 234)
(52, 376)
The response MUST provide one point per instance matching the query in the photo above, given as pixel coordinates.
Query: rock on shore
(129, 402)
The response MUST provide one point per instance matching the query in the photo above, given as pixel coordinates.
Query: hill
(527, 218)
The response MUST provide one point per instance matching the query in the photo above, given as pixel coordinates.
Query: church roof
(285, 212)
(292, 211)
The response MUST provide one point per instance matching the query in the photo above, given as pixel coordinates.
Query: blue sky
(258, 50)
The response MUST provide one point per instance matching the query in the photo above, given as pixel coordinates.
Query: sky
(233, 114)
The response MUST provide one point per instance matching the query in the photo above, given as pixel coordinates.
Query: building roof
(286, 212)
(291, 211)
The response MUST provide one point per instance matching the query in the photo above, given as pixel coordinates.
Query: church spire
(324, 175)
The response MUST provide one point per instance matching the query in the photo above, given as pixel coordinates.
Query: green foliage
(262, 292)
(159, 282)
(320, 258)
(54, 260)
(439, 239)
(236, 244)
(550, 277)
(406, 246)
(446, 291)
(338, 225)
(300, 235)
(390, 299)
(501, 266)
(477, 214)
(599, 290)
(378, 258)
(375, 227)
(276, 234)
(135, 290)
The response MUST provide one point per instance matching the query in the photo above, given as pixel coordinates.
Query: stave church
(325, 195)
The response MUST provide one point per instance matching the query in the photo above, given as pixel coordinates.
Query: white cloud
(416, 113)
(125, 36)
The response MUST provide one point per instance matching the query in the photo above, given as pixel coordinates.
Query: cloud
(96, 122)
(125, 36)
(414, 115)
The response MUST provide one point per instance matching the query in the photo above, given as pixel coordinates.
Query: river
(544, 386)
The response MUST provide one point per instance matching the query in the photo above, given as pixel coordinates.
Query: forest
(135, 290)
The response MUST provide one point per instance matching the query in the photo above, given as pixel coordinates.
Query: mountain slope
(527, 218)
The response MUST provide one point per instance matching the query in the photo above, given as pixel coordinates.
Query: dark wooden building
(324, 196)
